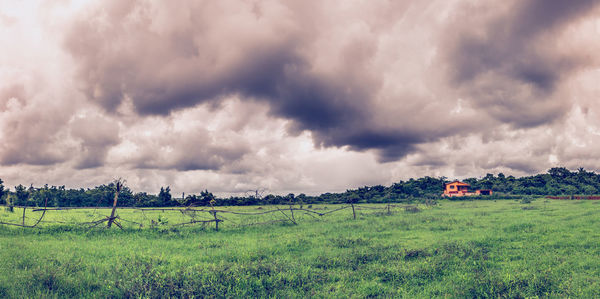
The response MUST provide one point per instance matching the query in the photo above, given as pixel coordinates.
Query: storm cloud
(32, 129)
(304, 96)
(262, 51)
(510, 64)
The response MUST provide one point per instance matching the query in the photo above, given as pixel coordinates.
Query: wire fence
(131, 217)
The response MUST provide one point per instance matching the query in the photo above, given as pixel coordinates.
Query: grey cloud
(193, 153)
(389, 144)
(508, 64)
(191, 149)
(207, 158)
(514, 164)
(524, 166)
(96, 135)
(32, 132)
(30, 138)
(228, 95)
(273, 52)
(180, 66)
(430, 161)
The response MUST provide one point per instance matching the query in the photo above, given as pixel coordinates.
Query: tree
(22, 195)
(559, 172)
(164, 195)
(143, 199)
(2, 192)
(204, 199)
(290, 198)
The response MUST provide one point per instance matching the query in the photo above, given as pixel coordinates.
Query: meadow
(455, 249)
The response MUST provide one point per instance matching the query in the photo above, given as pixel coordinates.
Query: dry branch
(44, 213)
(117, 224)
(13, 224)
(311, 215)
(23, 222)
(335, 210)
(286, 216)
(198, 221)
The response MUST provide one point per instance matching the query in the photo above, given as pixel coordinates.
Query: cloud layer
(235, 95)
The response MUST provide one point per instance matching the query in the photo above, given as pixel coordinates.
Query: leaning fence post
(118, 186)
(292, 211)
(214, 212)
(353, 212)
(216, 219)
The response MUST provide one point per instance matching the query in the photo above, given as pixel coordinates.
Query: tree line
(556, 181)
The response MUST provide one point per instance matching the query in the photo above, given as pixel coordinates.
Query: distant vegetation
(557, 181)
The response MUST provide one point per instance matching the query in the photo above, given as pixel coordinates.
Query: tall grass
(453, 249)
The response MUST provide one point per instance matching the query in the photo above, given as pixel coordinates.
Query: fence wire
(231, 217)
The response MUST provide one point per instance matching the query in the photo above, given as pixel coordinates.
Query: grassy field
(454, 249)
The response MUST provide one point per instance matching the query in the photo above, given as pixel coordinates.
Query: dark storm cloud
(509, 65)
(295, 95)
(503, 63)
(389, 144)
(165, 69)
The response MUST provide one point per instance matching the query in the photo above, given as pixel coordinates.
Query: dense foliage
(557, 181)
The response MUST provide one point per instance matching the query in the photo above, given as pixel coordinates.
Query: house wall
(454, 188)
(462, 189)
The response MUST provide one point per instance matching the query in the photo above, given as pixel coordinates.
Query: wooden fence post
(388, 209)
(114, 209)
(24, 209)
(292, 211)
(216, 219)
(353, 212)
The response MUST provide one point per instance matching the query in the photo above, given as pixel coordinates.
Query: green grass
(455, 249)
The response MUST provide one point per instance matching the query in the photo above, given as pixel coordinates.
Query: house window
(452, 186)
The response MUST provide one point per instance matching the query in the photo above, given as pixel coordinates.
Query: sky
(294, 96)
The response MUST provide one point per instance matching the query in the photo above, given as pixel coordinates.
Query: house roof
(458, 183)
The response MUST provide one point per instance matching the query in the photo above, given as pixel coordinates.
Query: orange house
(458, 188)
